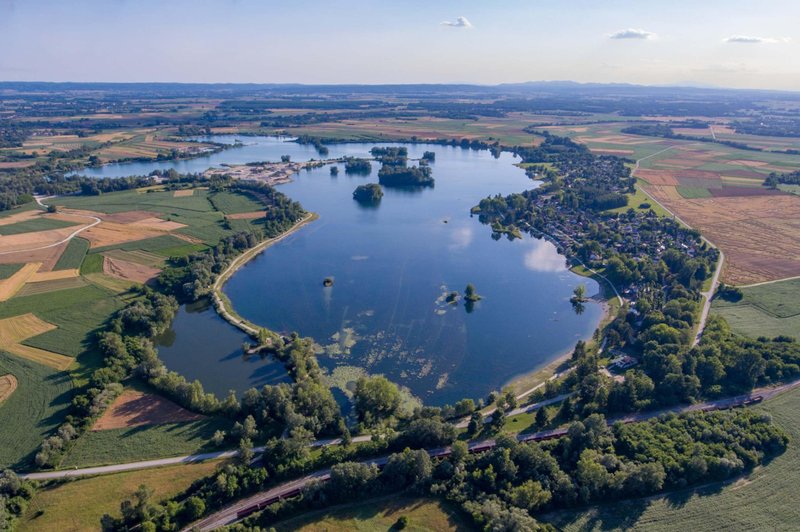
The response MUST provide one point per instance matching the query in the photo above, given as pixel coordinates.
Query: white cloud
(461, 22)
(632, 33)
(461, 238)
(751, 39)
(543, 257)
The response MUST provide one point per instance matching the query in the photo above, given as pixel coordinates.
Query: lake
(392, 266)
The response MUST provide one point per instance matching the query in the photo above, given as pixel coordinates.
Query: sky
(721, 43)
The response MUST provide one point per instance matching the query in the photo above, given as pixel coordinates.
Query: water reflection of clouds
(543, 257)
(461, 238)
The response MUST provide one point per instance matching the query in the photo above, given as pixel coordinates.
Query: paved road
(231, 514)
(709, 294)
(464, 423)
(70, 237)
(147, 464)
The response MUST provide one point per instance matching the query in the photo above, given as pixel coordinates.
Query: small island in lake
(405, 176)
(328, 281)
(370, 194)
(354, 165)
(470, 294)
(452, 298)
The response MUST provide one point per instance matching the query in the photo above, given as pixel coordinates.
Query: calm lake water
(392, 266)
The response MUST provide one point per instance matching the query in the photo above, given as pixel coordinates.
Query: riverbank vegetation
(507, 487)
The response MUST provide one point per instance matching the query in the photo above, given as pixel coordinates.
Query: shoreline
(526, 383)
(222, 304)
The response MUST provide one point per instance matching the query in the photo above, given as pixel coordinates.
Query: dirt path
(220, 301)
(67, 239)
(769, 282)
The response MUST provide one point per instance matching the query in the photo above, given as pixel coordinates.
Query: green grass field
(767, 310)
(143, 443)
(35, 224)
(234, 202)
(79, 504)
(381, 514)
(792, 189)
(183, 250)
(32, 289)
(33, 411)
(138, 256)
(203, 221)
(693, 192)
(766, 499)
(73, 255)
(131, 200)
(7, 270)
(77, 313)
(151, 245)
(92, 263)
(639, 198)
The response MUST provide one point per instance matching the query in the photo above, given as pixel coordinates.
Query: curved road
(709, 294)
(231, 514)
(239, 261)
(70, 237)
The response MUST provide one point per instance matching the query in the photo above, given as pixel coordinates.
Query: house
(623, 362)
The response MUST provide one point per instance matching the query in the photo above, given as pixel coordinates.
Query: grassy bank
(78, 505)
(765, 310)
(133, 444)
(381, 514)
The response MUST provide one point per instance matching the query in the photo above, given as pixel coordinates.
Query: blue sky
(734, 43)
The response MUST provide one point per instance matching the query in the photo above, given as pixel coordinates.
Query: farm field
(760, 235)
(638, 198)
(109, 146)
(234, 203)
(8, 385)
(55, 299)
(136, 216)
(134, 408)
(77, 313)
(766, 310)
(73, 255)
(143, 443)
(79, 505)
(7, 270)
(33, 411)
(14, 331)
(381, 514)
(508, 130)
(763, 500)
(33, 225)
